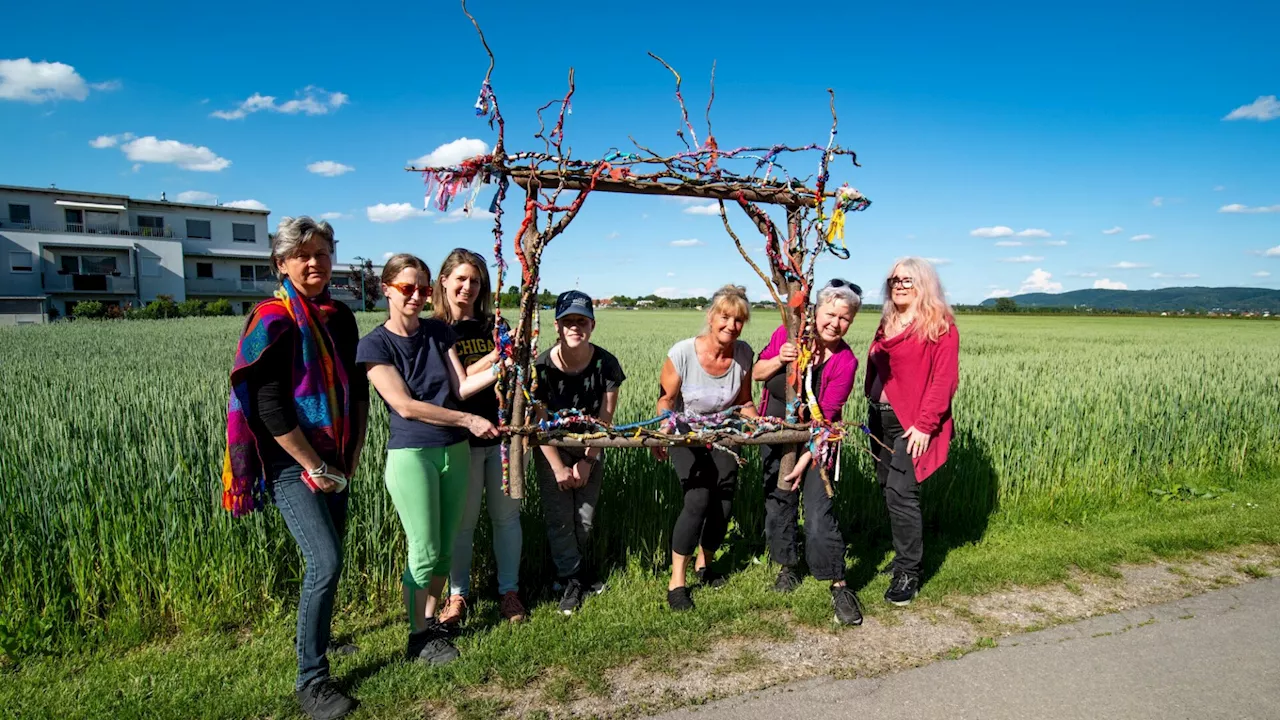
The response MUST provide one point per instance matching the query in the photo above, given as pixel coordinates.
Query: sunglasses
(838, 283)
(905, 282)
(406, 289)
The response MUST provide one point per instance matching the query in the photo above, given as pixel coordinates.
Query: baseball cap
(574, 302)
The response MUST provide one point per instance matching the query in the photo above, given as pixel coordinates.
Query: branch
(684, 112)
(482, 40)
(767, 284)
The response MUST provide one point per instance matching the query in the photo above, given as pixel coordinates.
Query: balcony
(83, 229)
(86, 283)
(230, 286)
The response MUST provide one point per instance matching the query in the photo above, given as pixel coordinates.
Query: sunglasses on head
(837, 283)
(406, 289)
(906, 282)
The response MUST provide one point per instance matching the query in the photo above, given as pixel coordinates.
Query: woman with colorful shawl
(295, 429)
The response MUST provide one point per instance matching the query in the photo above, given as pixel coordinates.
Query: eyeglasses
(905, 282)
(406, 289)
(838, 283)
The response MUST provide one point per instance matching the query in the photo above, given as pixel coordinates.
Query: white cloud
(1105, 284)
(613, 235)
(933, 261)
(1262, 274)
(1265, 108)
(692, 242)
(708, 209)
(245, 205)
(1056, 243)
(1009, 243)
(998, 231)
(109, 141)
(999, 293)
(673, 292)
(1272, 252)
(1171, 276)
(459, 214)
(452, 153)
(1113, 231)
(1126, 265)
(1219, 188)
(1022, 259)
(1142, 237)
(196, 196)
(333, 216)
(1238, 208)
(1082, 274)
(107, 86)
(388, 255)
(1035, 233)
(310, 100)
(1040, 281)
(37, 82)
(394, 212)
(1156, 201)
(151, 150)
(329, 168)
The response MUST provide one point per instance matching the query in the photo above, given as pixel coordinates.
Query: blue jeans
(504, 512)
(317, 522)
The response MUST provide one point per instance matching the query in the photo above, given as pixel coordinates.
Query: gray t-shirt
(701, 392)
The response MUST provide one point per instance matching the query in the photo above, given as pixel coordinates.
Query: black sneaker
(902, 589)
(679, 599)
(431, 645)
(322, 700)
(848, 609)
(710, 578)
(787, 581)
(572, 598)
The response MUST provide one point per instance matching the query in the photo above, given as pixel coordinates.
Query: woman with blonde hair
(913, 370)
(705, 375)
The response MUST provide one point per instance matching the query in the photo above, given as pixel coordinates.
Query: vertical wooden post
(792, 313)
(524, 353)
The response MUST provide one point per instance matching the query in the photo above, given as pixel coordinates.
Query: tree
(364, 282)
(545, 298)
(1006, 305)
(510, 298)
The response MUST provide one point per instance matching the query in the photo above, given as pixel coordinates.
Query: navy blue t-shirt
(422, 359)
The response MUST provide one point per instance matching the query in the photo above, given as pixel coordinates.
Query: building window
(75, 220)
(70, 264)
(20, 262)
(149, 267)
(19, 214)
(151, 225)
(204, 270)
(241, 232)
(199, 229)
(88, 264)
(251, 274)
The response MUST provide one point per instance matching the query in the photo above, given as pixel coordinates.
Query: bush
(114, 312)
(218, 307)
(163, 307)
(191, 308)
(91, 309)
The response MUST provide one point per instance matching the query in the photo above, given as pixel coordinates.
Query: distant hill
(1221, 299)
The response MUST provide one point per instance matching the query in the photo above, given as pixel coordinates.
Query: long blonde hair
(933, 315)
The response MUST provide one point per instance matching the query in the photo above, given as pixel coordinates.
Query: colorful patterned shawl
(320, 391)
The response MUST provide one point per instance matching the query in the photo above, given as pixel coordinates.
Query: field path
(1215, 655)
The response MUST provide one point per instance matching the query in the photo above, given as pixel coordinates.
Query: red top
(919, 379)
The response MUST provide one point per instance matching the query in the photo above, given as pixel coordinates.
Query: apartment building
(61, 247)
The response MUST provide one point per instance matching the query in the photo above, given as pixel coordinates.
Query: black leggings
(709, 479)
(897, 477)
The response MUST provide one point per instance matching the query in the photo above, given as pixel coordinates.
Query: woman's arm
(668, 391)
(463, 385)
(390, 385)
(837, 385)
(484, 364)
(744, 398)
(940, 387)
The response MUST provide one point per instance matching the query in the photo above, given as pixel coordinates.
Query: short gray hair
(842, 293)
(292, 232)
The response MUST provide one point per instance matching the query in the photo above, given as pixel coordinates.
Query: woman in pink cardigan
(830, 381)
(913, 370)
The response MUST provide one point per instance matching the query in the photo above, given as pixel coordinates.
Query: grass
(127, 588)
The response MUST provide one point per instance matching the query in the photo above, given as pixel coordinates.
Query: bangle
(324, 468)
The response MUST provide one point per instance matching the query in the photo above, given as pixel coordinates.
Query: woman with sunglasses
(462, 298)
(913, 370)
(827, 383)
(414, 367)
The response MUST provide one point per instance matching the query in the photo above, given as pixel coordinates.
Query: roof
(136, 201)
(227, 253)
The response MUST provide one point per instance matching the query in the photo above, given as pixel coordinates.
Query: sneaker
(322, 700)
(572, 598)
(902, 589)
(787, 581)
(710, 578)
(511, 609)
(431, 645)
(454, 612)
(845, 602)
(679, 599)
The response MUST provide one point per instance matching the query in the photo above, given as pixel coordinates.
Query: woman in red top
(913, 369)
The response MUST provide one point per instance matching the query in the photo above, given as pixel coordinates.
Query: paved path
(1212, 656)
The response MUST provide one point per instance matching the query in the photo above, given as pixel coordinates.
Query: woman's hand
(659, 453)
(564, 478)
(796, 476)
(789, 352)
(330, 481)
(917, 442)
(582, 472)
(481, 428)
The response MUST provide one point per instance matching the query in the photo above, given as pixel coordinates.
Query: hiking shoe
(902, 589)
(572, 598)
(845, 602)
(454, 612)
(710, 578)
(431, 645)
(787, 581)
(511, 609)
(322, 700)
(679, 599)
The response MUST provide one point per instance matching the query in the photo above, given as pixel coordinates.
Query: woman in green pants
(411, 362)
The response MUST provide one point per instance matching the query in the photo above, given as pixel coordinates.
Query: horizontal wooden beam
(769, 194)
(779, 437)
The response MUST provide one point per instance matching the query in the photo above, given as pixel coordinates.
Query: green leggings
(429, 489)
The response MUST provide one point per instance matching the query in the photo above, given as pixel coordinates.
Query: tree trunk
(794, 290)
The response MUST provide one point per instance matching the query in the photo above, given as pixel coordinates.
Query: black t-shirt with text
(558, 390)
(475, 340)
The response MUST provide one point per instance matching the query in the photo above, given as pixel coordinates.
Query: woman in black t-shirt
(462, 298)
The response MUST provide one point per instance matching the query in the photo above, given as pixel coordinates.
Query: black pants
(823, 543)
(709, 479)
(897, 477)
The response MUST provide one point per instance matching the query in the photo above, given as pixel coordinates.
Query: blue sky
(1001, 139)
